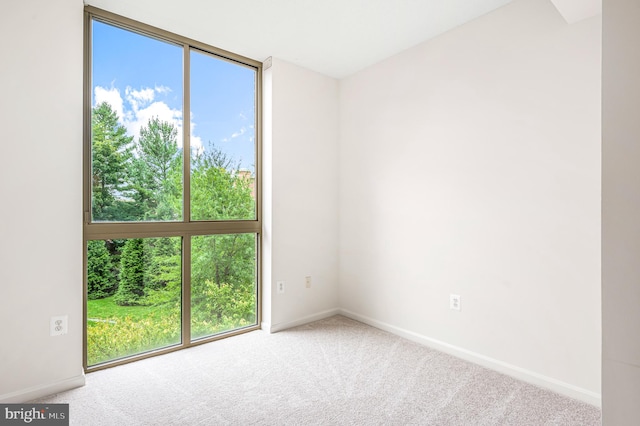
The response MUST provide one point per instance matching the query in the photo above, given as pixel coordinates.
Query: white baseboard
(41, 391)
(274, 328)
(485, 361)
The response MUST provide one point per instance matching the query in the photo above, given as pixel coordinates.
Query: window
(171, 191)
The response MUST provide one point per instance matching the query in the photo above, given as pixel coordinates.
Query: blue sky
(141, 77)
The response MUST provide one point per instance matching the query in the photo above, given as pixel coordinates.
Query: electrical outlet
(307, 281)
(280, 286)
(454, 302)
(59, 325)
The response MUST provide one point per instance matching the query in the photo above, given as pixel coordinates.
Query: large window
(171, 191)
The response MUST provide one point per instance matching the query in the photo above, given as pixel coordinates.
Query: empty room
(338, 212)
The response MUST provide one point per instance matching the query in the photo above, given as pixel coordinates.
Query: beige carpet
(332, 372)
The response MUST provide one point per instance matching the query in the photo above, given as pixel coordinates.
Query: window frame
(186, 228)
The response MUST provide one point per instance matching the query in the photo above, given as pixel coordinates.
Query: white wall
(470, 164)
(621, 213)
(41, 185)
(40, 189)
(301, 217)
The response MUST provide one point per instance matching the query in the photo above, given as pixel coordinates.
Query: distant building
(248, 175)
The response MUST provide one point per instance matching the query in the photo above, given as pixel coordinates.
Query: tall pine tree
(101, 281)
(132, 267)
(157, 171)
(110, 154)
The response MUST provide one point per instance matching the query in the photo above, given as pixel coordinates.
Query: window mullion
(186, 204)
(186, 133)
(186, 290)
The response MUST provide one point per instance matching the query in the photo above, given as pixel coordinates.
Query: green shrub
(113, 338)
(118, 331)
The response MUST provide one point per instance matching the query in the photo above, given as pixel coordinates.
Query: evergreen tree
(100, 275)
(110, 153)
(164, 263)
(132, 267)
(158, 143)
(157, 172)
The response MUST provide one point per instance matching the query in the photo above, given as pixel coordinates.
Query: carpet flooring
(331, 372)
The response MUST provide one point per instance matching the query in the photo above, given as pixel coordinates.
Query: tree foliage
(158, 143)
(132, 271)
(156, 174)
(217, 193)
(141, 180)
(100, 275)
(110, 155)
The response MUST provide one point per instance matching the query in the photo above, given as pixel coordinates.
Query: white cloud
(197, 147)
(139, 98)
(162, 111)
(141, 106)
(163, 89)
(112, 97)
(143, 95)
(238, 133)
(250, 136)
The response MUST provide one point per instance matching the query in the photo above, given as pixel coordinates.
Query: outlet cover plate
(59, 325)
(454, 302)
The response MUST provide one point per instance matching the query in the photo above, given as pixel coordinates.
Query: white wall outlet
(280, 286)
(454, 302)
(59, 325)
(307, 281)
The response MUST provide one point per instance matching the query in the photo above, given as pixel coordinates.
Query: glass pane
(223, 283)
(136, 127)
(134, 293)
(223, 142)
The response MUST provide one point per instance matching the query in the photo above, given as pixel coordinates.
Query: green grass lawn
(107, 309)
(115, 331)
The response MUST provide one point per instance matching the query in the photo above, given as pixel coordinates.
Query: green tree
(101, 281)
(217, 191)
(223, 266)
(164, 264)
(157, 172)
(110, 154)
(132, 267)
(223, 259)
(158, 144)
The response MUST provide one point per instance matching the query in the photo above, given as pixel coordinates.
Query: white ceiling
(577, 10)
(333, 37)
